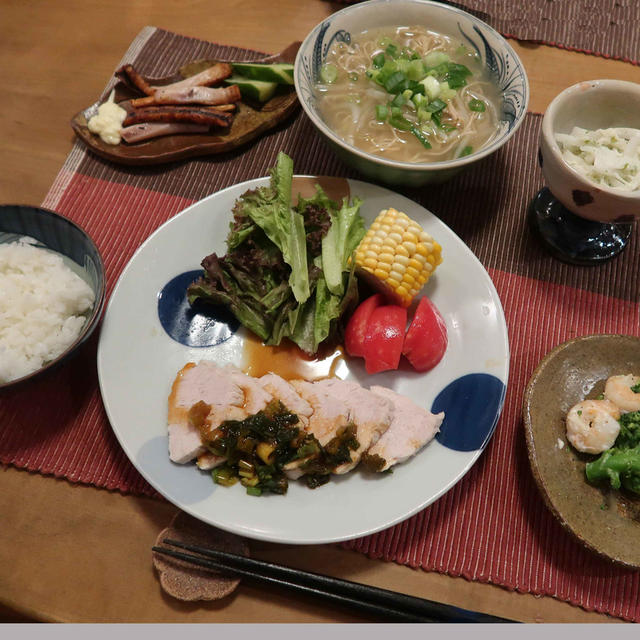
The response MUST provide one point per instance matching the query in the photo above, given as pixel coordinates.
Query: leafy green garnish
(477, 105)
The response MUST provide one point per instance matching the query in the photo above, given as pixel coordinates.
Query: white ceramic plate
(138, 361)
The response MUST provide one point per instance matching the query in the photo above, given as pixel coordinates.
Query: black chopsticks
(384, 604)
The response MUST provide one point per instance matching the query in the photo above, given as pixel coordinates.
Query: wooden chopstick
(385, 604)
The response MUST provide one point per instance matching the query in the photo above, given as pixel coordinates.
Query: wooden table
(78, 554)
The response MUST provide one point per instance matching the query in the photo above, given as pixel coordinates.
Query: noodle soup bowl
(495, 55)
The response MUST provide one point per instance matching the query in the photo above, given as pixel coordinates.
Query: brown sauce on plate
(288, 361)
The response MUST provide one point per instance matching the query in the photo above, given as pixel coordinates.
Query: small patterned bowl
(596, 104)
(494, 51)
(57, 233)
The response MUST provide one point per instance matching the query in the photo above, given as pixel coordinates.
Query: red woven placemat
(493, 525)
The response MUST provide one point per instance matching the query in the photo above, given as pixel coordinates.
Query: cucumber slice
(253, 89)
(281, 72)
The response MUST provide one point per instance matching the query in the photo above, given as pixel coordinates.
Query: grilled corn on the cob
(397, 256)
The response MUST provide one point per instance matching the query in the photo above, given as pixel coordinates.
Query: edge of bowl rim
(416, 166)
(547, 133)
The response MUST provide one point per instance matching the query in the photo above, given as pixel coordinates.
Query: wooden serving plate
(250, 121)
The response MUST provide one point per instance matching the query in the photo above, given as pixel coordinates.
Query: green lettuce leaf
(270, 208)
(344, 235)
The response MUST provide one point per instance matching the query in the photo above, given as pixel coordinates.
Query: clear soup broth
(361, 102)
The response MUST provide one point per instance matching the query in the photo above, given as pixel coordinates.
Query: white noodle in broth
(348, 102)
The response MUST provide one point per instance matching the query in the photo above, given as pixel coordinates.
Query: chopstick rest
(183, 580)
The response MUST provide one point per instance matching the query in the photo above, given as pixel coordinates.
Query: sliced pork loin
(411, 429)
(371, 414)
(203, 382)
(329, 413)
(231, 394)
(284, 391)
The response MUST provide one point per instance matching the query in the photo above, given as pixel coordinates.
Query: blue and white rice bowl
(504, 67)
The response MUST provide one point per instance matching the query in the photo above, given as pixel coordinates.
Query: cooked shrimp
(592, 425)
(619, 390)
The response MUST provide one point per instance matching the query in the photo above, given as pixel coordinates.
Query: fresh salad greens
(418, 87)
(620, 465)
(287, 272)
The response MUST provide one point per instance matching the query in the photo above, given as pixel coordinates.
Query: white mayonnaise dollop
(108, 122)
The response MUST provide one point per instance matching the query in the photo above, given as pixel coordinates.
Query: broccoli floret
(618, 467)
(629, 436)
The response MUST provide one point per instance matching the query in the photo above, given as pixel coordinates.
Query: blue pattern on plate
(198, 326)
(471, 406)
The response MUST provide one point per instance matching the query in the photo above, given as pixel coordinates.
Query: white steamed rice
(42, 302)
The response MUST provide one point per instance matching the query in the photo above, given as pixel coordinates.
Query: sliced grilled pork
(371, 414)
(410, 430)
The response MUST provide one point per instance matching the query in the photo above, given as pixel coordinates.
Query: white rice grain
(42, 302)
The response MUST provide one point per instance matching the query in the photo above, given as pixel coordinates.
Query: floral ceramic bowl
(596, 104)
(495, 53)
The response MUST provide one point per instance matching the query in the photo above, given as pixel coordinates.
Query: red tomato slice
(426, 339)
(356, 329)
(384, 338)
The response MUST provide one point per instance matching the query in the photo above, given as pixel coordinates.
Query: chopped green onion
(394, 82)
(418, 100)
(421, 137)
(328, 73)
(254, 491)
(477, 105)
(392, 50)
(385, 41)
(431, 87)
(415, 70)
(224, 476)
(382, 112)
(398, 101)
(448, 127)
(424, 115)
(436, 105)
(466, 151)
(378, 61)
(400, 122)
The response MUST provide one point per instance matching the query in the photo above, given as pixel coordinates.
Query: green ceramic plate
(603, 520)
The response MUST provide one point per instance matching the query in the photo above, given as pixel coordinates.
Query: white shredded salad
(42, 302)
(607, 157)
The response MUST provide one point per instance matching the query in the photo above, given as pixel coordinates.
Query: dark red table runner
(493, 525)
